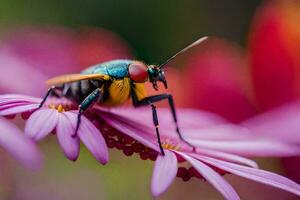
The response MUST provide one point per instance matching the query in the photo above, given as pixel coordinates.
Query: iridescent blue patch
(114, 68)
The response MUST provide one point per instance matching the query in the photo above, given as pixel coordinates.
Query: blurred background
(254, 43)
(153, 29)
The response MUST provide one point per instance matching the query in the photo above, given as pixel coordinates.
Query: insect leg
(137, 103)
(156, 98)
(173, 110)
(49, 93)
(156, 124)
(85, 104)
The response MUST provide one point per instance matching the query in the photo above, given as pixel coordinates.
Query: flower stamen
(59, 108)
(170, 145)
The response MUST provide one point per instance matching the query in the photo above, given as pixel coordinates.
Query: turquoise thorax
(114, 68)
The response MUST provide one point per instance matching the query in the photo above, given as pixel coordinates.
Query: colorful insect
(113, 83)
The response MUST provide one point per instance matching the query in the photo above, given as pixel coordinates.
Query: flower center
(59, 107)
(168, 144)
(60, 104)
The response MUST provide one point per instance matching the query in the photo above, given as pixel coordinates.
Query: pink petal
(91, 137)
(69, 144)
(226, 156)
(251, 147)
(281, 123)
(187, 118)
(15, 104)
(7, 104)
(212, 177)
(41, 123)
(138, 131)
(257, 175)
(17, 97)
(165, 170)
(18, 109)
(218, 132)
(27, 79)
(20, 147)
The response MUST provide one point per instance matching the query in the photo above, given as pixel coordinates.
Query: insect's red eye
(138, 72)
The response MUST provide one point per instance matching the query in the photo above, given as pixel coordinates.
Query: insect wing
(75, 77)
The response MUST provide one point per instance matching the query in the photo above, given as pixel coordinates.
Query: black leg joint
(78, 121)
(156, 98)
(85, 104)
(49, 92)
(154, 115)
(156, 124)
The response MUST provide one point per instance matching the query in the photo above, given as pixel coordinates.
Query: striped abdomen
(114, 93)
(79, 90)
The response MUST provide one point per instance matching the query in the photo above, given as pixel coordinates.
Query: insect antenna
(200, 40)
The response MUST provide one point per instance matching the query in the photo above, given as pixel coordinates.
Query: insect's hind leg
(92, 98)
(51, 91)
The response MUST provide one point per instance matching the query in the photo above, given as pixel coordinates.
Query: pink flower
(59, 116)
(20, 147)
(220, 150)
(282, 123)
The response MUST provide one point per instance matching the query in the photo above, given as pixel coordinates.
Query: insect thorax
(114, 92)
(117, 69)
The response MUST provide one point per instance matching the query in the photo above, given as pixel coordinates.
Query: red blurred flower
(274, 46)
(99, 45)
(220, 78)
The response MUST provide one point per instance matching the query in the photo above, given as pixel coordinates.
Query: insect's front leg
(156, 98)
(51, 91)
(92, 98)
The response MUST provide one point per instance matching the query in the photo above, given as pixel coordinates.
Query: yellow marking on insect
(119, 92)
(68, 78)
(140, 91)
